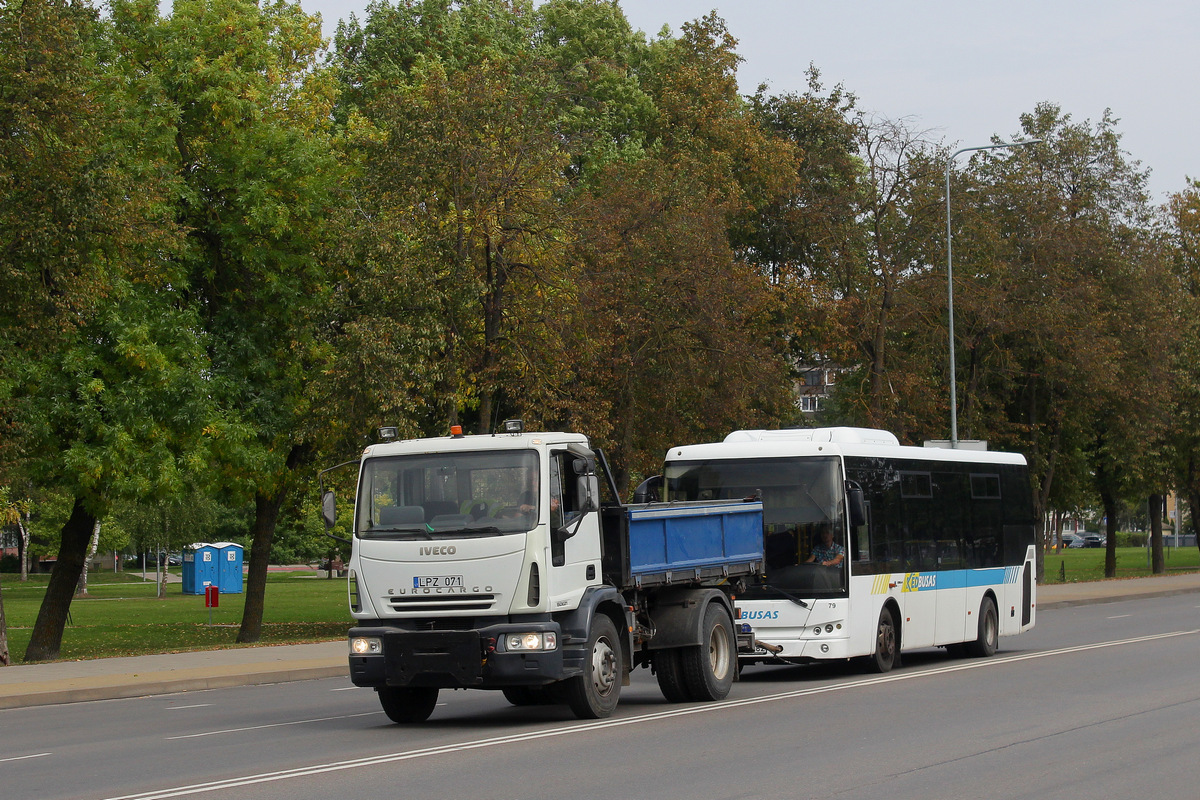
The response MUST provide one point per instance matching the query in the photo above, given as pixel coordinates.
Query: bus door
(918, 601)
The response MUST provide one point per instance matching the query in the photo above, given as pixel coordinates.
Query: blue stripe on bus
(958, 579)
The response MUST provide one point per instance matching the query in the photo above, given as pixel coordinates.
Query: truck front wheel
(594, 694)
(405, 704)
(709, 668)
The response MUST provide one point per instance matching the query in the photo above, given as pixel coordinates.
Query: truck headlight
(527, 642)
(366, 646)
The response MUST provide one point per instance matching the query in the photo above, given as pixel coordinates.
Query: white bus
(937, 545)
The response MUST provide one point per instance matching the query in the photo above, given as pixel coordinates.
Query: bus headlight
(530, 642)
(366, 646)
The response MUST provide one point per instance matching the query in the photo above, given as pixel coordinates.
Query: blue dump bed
(695, 542)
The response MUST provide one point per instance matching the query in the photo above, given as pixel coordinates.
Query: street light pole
(950, 279)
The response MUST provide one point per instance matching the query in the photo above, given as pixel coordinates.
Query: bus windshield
(803, 522)
(448, 494)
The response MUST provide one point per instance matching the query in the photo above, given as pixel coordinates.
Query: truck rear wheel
(709, 668)
(669, 670)
(594, 694)
(407, 704)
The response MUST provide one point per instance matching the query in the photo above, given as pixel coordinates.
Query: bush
(10, 563)
(1132, 539)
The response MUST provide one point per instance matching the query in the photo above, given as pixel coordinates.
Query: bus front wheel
(886, 643)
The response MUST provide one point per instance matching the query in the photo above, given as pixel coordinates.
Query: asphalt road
(1096, 701)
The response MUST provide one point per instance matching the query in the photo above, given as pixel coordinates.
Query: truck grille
(459, 602)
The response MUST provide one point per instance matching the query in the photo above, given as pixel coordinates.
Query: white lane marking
(22, 758)
(180, 708)
(345, 689)
(1121, 616)
(587, 727)
(272, 725)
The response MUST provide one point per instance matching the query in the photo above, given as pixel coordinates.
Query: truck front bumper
(465, 659)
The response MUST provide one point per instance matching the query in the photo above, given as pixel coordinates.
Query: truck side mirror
(329, 509)
(649, 490)
(855, 504)
(588, 488)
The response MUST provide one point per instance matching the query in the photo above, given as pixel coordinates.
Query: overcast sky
(963, 71)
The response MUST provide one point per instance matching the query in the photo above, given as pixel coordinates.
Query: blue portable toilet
(229, 567)
(199, 567)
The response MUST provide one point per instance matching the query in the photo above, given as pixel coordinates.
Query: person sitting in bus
(827, 552)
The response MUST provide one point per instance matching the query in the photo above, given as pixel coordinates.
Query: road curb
(137, 685)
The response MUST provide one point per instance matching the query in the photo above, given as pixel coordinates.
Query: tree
(462, 168)
(238, 89)
(1053, 240)
(100, 385)
(669, 338)
(1183, 231)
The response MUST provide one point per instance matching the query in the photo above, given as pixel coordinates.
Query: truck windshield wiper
(487, 530)
(396, 532)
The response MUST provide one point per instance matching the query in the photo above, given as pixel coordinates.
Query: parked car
(1077, 541)
(1068, 539)
(1093, 540)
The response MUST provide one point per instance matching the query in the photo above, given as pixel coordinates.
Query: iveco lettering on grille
(445, 550)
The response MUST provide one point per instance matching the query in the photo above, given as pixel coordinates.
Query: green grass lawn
(1087, 563)
(122, 616)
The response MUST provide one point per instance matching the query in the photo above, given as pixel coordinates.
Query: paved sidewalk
(108, 678)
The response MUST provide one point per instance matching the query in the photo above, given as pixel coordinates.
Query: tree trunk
(4, 659)
(81, 588)
(23, 527)
(1194, 505)
(1157, 564)
(266, 515)
(1110, 531)
(46, 639)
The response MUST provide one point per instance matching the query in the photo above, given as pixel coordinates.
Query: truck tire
(709, 668)
(594, 694)
(668, 668)
(406, 704)
(985, 643)
(886, 642)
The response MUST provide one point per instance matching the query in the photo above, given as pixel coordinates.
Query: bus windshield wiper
(791, 597)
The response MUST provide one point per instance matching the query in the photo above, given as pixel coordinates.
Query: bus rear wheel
(986, 642)
(886, 643)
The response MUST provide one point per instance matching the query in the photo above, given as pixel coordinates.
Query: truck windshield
(444, 494)
(803, 522)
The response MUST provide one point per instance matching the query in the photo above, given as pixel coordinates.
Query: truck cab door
(574, 528)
